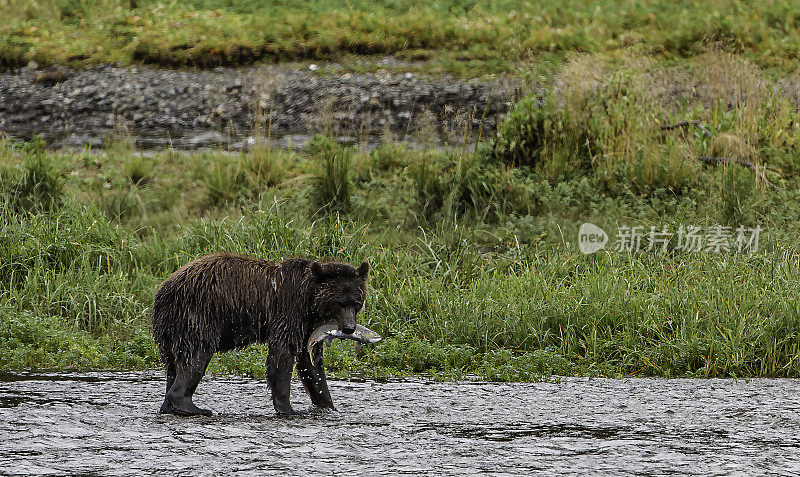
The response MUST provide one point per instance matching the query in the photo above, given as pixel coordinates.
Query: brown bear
(226, 301)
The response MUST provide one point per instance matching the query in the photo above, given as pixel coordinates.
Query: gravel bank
(191, 109)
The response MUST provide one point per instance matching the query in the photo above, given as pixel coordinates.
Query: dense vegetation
(475, 268)
(460, 36)
(655, 114)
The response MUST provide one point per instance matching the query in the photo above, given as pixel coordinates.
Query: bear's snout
(347, 320)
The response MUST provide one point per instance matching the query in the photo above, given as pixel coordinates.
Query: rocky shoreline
(225, 107)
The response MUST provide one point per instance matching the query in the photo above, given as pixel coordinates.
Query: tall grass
(332, 181)
(124, 204)
(612, 122)
(441, 304)
(225, 180)
(474, 268)
(429, 186)
(267, 165)
(471, 37)
(38, 184)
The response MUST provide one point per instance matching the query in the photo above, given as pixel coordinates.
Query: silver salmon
(330, 331)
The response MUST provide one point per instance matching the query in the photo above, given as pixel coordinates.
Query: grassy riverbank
(475, 267)
(462, 37)
(80, 291)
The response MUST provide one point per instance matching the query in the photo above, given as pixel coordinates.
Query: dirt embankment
(190, 109)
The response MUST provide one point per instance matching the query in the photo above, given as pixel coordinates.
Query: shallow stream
(106, 424)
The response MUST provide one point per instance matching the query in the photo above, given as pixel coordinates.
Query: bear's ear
(317, 271)
(363, 269)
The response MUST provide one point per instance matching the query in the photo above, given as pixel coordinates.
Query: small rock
(206, 139)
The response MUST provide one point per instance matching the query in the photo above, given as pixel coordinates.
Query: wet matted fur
(227, 301)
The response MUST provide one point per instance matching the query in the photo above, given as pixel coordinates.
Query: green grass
(502, 297)
(77, 292)
(474, 264)
(462, 37)
(333, 179)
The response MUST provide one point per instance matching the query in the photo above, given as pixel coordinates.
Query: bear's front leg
(279, 377)
(313, 377)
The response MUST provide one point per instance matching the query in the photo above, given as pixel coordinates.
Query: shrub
(389, 156)
(267, 166)
(429, 186)
(601, 122)
(332, 181)
(535, 133)
(123, 204)
(470, 189)
(138, 169)
(40, 186)
(224, 180)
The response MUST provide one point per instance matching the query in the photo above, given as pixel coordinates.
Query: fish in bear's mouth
(329, 331)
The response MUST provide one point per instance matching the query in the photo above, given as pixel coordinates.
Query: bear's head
(339, 293)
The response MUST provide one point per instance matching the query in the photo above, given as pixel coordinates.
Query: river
(106, 424)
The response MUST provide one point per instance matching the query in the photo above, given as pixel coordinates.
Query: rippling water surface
(106, 423)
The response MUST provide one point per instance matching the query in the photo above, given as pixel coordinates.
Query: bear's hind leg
(171, 370)
(166, 408)
(313, 377)
(188, 375)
